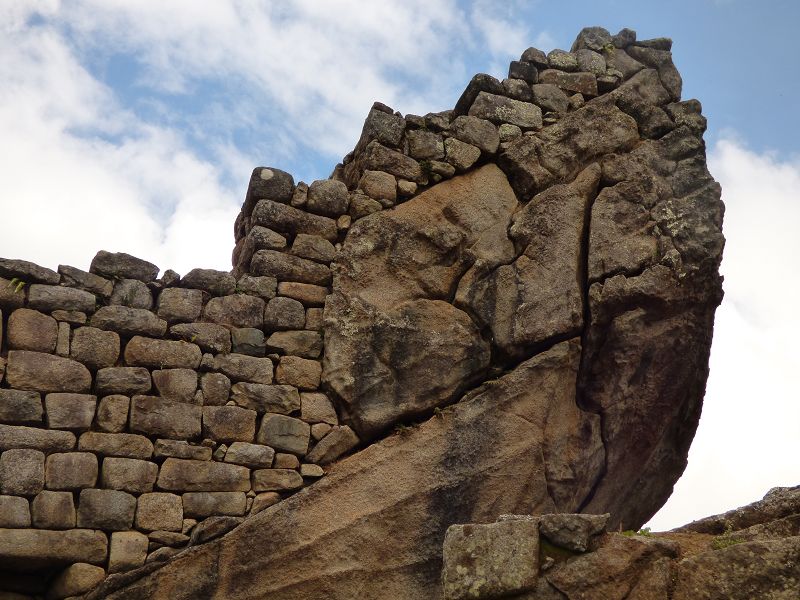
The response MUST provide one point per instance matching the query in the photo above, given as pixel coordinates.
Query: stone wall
(141, 415)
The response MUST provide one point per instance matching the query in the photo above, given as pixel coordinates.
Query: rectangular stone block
(253, 456)
(162, 354)
(128, 321)
(285, 267)
(14, 512)
(177, 305)
(280, 399)
(22, 472)
(48, 298)
(209, 336)
(159, 511)
(216, 388)
(122, 380)
(126, 445)
(53, 510)
(151, 415)
(287, 219)
(70, 471)
(229, 423)
(38, 548)
(70, 411)
(179, 385)
(112, 413)
(237, 310)
(46, 373)
(128, 551)
(202, 476)
(284, 434)
(72, 277)
(62, 343)
(181, 449)
(200, 505)
(317, 408)
(129, 475)
(20, 407)
(306, 344)
(17, 436)
(110, 510)
(240, 367)
(31, 330)
(302, 373)
(276, 480)
(95, 348)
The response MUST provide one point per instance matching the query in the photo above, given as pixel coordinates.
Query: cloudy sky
(132, 125)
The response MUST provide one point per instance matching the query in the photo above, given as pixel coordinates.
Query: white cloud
(749, 435)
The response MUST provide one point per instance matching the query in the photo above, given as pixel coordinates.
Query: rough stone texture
(128, 321)
(209, 336)
(202, 476)
(176, 384)
(284, 313)
(317, 408)
(205, 504)
(129, 475)
(178, 305)
(127, 551)
(276, 480)
(112, 413)
(306, 344)
(305, 293)
(47, 298)
(572, 531)
(123, 380)
(499, 109)
(287, 219)
(477, 132)
(216, 283)
(32, 548)
(238, 310)
(253, 456)
(490, 561)
(229, 423)
(151, 415)
(163, 354)
(18, 436)
(70, 471)
(286, 267)
(281, 399)
(284, 433)
(70, 411)
(31, 330)
(46, 373)
(120, 265)
(75, 580)
(240, 367)
(337, 442)
(126, 445)
(181, 449)
(21, 408)
(111, 510)
(72, 277)
(21, 472)
(53, 510)
(327, 197)
(216, 389)
(159, 511)
(14, 512)
(132, 293)
(94, 347)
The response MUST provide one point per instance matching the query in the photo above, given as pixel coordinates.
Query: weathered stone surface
(128, 321)
(229, 423)
(477, 132)
(253, 456)
(70, 411)
(216, 283)
(112, 413)
(305, 293)
(327, 197)
(286, 267)
(202, 476)
(178, 305)
(53, 510)
(490, 561)
(238, 310)
(159, 511)
(276, 480)
(72, 277)
(284, 313)
(110, 510)
(314, 247)
(21, 472)
(62, 343)
(123, 380)
(176, 384)
(248, 340)
(582, 83)
(129, 475)
(47, 298)
(163, 354)
(592, 62)
(14, 512)
(240, 367)
(499, 109)
(31, 330)
(46, 373)
(559, 152)
(307, 344)
(425, 145)
(536, 57)
(11, 298)
(317, 408)
(282, 399)
(118, 265)
(287, 219)
(520, 427)
(593, 38)
(127, 551)
(20, 407)
(523, 71)
(216, 389)
(181, 449)
(563, 61)
(378, 157)
(151, 415)
(661, 60)
(36, 548)
(70, 471)
(379, 185)
(27, 271)
(286, 461)
(572, 531)
(462, 156)
(550, 97)
(75, 580)
(320, 430)
(209, 336)
(205, 504)
(264, 500)
(17, 436)
(268, 182)
(339, 441)
(126, 445)
(94, 347)
(415, 256)
(132, 293)
(479, 83)
(311, 471)
(263, 287)
(213, 527)
(284, 433)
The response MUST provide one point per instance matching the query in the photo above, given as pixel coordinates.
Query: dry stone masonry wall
(523, 286)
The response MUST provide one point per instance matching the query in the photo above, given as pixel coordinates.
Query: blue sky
(133, 125)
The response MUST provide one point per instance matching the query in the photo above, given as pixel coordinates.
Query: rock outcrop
(503, 308)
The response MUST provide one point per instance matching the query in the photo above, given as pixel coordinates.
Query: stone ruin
(504, 308)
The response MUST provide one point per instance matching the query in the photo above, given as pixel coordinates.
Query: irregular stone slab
(559, 152)
(493, 560)
(70, 411)
(31, 330)
(118, 265)
(22, 408)
(562, 61)
(14, 512)
(128, 321)
(572, 531)
(248, 340)
(177, 305)
(126, 445)
(284, 433)
(339, 441)
(112, 414)
(286, 267)
(216, 283)
(72, 277)
(40, 548)
(205, 504)
(499, 109)
(129, 475)
(11, 298)
(110, 510)
(550, 97)
(240, 367)
(53, 510)
(127, 551)
(307, 344)
(378, 157)
(520, 427)
(21, 472)
(538, 296)
(164, 354)
(379, 185)
(414, 256)
(462, 156)
(284, 313)
(305, 293)
(46, 373)
(263, 287)
(16, 436)
(384, 126)
(425, 145)
(327, 197)
(176, 384)
(202, 476)
(287, 219)
(159, 511)
(276, 480)
(479, 83)
(317, 408)
(151, 415)
(253, 456)
(209, 336)
(212, 528)
(132, 293)
(216, 389)
(27, 271)
(281, 399)
(181, 449)
(94, 347)
(238, 310)
(123, 380)
(477, 132)
(268, 182)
